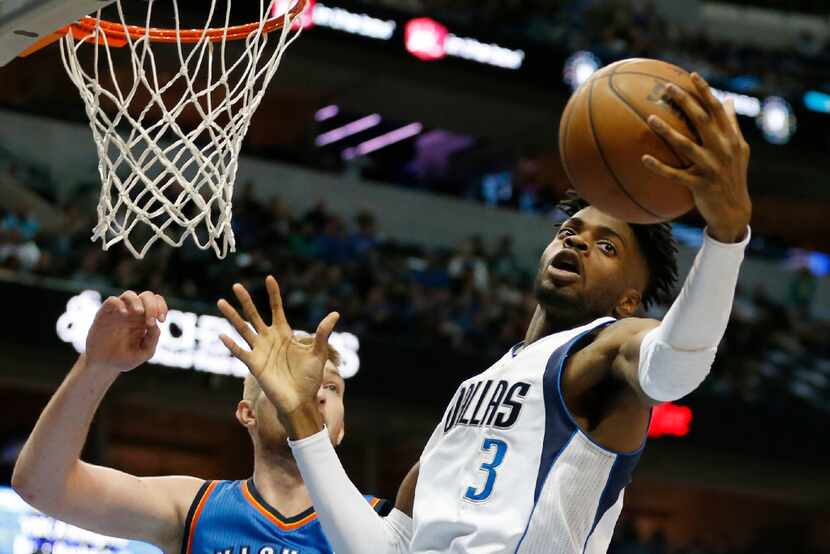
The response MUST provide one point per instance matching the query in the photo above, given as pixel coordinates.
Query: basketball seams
(689, 124)
(566, 126)
(636, 112)
(598, 145)
(663, 79)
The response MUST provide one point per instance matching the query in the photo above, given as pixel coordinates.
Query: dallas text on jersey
(496, 404)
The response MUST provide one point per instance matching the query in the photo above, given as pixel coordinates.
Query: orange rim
(117, 33)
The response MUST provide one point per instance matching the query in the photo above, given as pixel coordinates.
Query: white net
(168, 138)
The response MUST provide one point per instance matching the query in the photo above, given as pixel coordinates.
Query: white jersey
(509, 470)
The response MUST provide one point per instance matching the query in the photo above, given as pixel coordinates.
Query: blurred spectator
(802, 291)
(26, 225)
(333, 244)
(503, 263)
(469, 263)
(17, 252)
(91, 271)
(364, 239)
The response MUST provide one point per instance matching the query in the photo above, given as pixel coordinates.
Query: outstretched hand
(289, 372)
(717, 177)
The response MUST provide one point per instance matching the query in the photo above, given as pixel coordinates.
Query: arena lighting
(489, 54)
(745, 105)
(429, 40)
(817, 101)
(817, 262)
(306, 19)
(189, 340)
(424, 38)
(348, 130)
(383, 141)
(774, 115)
(345, 21)
(578, 67)
(326, 112)
(670, 419)
(777, 120)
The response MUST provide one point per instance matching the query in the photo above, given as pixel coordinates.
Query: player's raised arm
(49, 474)
(290, 374)
(668, 361)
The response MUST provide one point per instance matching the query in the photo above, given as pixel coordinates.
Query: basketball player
(533, 454)
(270, 513)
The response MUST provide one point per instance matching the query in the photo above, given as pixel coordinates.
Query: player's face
(593, 267)
(329, 400)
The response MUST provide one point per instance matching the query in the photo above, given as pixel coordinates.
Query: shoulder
(597, 388)
(182, 494)
(178, 490)
(621, 332)
(598, 350)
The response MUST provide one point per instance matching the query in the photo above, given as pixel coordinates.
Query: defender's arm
(49, 473)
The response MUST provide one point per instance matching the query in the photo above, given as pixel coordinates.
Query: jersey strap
(194, 513)
(560, 427)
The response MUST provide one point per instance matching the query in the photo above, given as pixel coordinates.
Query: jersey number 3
(489, 469)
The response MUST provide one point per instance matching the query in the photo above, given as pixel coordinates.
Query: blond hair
(251, 388)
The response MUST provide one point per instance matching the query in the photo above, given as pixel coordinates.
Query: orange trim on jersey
(197, 514)
(374, 502)
(246, 492)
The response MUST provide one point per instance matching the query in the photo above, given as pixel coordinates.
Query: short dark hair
(659, 249)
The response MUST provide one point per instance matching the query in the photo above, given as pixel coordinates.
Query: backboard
(25, 22)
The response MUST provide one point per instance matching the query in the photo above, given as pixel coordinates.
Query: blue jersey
(231, 517)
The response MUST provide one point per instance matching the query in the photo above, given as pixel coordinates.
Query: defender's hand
(125, 333)
(289, 372)
(717, 177)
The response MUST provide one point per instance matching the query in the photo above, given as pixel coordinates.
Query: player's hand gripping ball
(605, 132)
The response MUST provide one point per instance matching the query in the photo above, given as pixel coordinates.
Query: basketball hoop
(160, 178)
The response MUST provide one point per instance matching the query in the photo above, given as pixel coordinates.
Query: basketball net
(169, 139)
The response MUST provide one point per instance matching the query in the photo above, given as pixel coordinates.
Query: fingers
(692, 108)
(152, 308)
(151, 339)
(114, 305)
(324, 330)
(236, 320)
(147, 305)
(729, 106)
(277, 313)
(248, 308)
(237, 351)
(132, 302)
(162, 307)
(681, 145)
(742, 144)
(679, 176)
(711, 102)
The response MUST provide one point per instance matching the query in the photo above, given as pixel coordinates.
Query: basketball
(604, 134)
